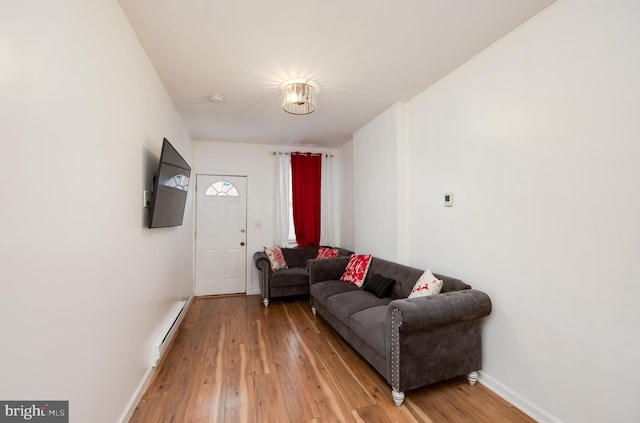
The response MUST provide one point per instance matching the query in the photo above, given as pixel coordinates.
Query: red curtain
(306, 171)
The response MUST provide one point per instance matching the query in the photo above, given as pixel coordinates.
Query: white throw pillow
(426, 285)
(276, 258)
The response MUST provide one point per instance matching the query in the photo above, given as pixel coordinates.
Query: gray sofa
(291, 281)
(410, 342)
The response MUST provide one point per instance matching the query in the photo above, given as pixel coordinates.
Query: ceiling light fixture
(299, 96)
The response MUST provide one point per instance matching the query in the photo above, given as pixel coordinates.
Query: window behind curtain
(306, 170)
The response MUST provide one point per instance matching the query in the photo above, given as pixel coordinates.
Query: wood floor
(235, 361)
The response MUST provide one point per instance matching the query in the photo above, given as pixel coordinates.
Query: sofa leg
(313, 310)
(265, 301)
(472, 378)
(398, 397)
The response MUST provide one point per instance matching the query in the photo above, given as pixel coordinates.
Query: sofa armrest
(259, 258)
(424, 313)
(326, 269)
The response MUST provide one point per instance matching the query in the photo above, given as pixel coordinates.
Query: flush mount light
(299, 96)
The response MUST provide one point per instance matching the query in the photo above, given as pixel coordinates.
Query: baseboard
(137, 395)
(524, 405)
(146, 380)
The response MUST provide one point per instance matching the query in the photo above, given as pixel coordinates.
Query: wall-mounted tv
(170, 186)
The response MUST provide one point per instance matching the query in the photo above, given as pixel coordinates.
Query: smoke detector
(216, 98)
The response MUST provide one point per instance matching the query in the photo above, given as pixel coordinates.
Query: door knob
(242, 244)
(241, 231)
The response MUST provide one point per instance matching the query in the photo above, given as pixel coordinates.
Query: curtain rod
(288, 153)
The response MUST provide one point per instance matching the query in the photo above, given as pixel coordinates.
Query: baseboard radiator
(168, 331)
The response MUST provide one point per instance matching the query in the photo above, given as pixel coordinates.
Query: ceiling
(364, 55)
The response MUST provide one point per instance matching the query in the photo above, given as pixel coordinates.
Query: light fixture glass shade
(298, 98)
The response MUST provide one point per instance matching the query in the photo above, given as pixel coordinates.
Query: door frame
(247, 273)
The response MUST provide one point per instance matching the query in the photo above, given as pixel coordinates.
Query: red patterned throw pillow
(426, 285)
(276, 258)
(356, 269)
(325, 253)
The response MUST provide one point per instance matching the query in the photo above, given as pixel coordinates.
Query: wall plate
(448, 199)
(145, 199)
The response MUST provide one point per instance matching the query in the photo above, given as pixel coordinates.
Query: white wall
(255, 162)
(84, 284)
(379, 193)
(346, 231)
(538, 139)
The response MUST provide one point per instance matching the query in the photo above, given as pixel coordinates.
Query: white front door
(221, 234)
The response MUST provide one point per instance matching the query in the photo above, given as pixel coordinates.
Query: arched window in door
(222, 189)
(178, 181)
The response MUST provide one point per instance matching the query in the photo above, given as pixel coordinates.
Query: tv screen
(170, 186)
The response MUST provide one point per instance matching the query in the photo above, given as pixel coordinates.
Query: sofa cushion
(369, 325)
(290, 277)
(451, 284)
(405, 276)
(322, 290)
(356, 269)
(298, 256)
(276, 258)
(343, 305)
(378, 285)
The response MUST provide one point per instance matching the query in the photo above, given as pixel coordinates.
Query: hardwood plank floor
(235, 361)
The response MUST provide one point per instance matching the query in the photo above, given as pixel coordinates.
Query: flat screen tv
(170, 186)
